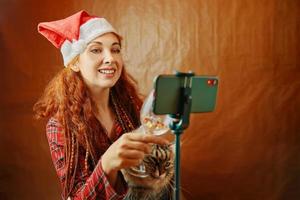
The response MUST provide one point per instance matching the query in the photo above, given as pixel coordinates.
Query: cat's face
(159, 166)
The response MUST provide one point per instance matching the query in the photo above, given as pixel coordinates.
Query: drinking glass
(150, 124)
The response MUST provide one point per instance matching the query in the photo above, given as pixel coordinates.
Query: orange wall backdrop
(247, 149)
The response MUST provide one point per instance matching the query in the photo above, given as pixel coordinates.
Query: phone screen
(168, 90)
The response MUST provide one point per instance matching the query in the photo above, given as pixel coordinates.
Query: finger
(138, 145)
(149, 139)
(131, 163)
(128, 142)
(132, 154)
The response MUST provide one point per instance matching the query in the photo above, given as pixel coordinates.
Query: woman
(92, 106)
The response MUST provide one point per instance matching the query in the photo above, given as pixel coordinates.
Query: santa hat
(72, 34)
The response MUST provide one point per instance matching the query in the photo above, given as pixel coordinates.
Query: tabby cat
(159, 184)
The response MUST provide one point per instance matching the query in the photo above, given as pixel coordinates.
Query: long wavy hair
(68, 99)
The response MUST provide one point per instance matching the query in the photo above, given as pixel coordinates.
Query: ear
(75, 67)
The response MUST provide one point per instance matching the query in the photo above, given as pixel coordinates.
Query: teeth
(107, 71)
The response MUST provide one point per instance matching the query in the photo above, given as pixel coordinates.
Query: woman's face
(101, 63)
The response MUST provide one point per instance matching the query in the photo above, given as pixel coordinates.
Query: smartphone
(168, 88)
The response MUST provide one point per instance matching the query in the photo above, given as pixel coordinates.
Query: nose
(108, 57)
(158, 173)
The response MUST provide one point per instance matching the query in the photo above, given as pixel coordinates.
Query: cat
(159, 165)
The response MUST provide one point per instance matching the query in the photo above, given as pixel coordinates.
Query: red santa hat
(72, 34)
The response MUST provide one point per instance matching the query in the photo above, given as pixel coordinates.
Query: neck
(101, 99)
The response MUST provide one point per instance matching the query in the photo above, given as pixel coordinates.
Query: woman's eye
(116, 51)
(96, 50)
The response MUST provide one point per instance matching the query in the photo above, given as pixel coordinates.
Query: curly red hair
(68, 100)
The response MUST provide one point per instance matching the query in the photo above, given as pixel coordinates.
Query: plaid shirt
(93, 186)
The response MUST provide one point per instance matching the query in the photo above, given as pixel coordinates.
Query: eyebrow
(100, 43)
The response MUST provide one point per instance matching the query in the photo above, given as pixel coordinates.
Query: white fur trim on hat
(88, 31)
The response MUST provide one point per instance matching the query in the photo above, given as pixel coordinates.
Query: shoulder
(54, 130)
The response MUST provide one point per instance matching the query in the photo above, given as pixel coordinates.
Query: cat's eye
(167, 164)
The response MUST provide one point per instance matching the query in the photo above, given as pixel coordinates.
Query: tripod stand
(180, 122)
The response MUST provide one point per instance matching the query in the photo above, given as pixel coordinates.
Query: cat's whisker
(170, 194)
(172, 187)
(185, 190)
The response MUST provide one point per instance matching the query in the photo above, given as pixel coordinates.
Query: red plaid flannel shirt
(93, 186)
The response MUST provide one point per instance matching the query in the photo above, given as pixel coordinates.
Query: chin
(106, 84)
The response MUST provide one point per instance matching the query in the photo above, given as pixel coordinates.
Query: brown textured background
(248, 149)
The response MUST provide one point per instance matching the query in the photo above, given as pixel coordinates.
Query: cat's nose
(156, 173)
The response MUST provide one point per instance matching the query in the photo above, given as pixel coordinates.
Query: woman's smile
(107, 71)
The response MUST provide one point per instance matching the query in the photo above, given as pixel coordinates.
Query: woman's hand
(128, 151)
